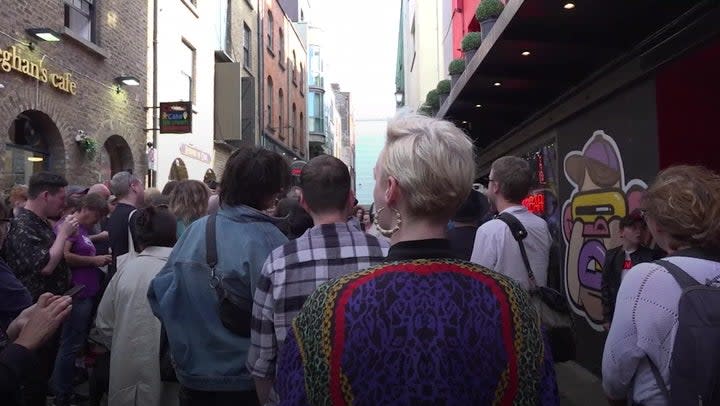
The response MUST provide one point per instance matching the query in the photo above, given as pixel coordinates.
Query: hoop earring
(386, 232)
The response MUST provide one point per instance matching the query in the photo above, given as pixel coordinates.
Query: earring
(385, 232)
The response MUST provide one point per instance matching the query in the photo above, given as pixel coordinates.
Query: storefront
(65, 103)
(598, 98)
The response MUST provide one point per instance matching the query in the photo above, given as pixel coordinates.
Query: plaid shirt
(292, 273)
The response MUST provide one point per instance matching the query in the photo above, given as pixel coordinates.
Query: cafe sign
(11, 60)
(192, 152)
(176, 118)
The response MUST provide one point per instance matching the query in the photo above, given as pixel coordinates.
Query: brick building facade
(284, 67)
(55, 93)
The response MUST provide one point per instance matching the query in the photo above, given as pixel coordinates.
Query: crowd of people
(255, 292)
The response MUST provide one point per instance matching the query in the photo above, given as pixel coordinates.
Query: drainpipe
(155, 106)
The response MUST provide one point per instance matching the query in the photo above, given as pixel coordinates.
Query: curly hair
(685, 202)
(189, 200)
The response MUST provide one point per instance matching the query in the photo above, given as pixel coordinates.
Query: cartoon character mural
(591, 219)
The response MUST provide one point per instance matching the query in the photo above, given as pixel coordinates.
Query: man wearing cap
(620, 259)
(495, 248)
(465, 224)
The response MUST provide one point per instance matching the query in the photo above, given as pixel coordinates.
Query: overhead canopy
(501, 88)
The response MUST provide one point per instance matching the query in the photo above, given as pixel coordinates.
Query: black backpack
(695, 359)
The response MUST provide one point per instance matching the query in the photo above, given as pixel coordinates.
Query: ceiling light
(526, 53)
(478, 105)
(43, 34)
(35, 159)
(497, 84)
(464, 122)
(569, 6)
(127, 80)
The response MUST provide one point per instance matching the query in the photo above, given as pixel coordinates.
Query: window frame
(269, 86)
(90, 15)
(270, 33)
(247, 47)
(193, 74)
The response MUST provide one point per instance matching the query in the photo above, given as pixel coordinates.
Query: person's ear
(393, 192)
(302, 201)
(350, 203)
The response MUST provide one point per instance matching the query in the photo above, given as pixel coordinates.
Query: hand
(69, 226)
(13, 330)
(102, 260)
(44, 320)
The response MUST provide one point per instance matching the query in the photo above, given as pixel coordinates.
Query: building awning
(502, 88)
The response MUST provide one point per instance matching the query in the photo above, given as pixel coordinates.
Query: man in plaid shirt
(330, 249)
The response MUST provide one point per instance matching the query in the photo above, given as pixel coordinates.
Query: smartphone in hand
(74, 290)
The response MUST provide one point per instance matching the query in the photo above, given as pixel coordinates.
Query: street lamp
(399, 97)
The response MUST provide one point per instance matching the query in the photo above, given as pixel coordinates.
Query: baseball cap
(76, 190)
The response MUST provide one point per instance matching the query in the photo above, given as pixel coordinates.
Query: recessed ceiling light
(478, 105)
(569, 6)
(526, 53)
(464, 122)
(35, 159)
(497, 84)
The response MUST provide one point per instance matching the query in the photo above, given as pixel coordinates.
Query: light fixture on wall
(126, 81)
(43, 34)
(399, 97)
(35, 159)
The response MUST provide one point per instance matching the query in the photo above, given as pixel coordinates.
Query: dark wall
(606, 156)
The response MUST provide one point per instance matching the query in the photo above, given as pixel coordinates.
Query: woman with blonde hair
(425, 327)
(682, 211)
(188, 202)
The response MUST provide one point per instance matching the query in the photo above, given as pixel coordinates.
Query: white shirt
(496, 249)
(645, 323)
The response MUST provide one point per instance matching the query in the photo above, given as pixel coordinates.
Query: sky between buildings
(360, 53)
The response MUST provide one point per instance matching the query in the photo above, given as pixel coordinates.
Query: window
(269, 102)
(247, 37)
(281, 48)
(302, 129)
(188, 69)
(302, 78)
(80, 18)
(281, 107)
(315, 113)
(293, 123)
(294, 67)
(270, 31)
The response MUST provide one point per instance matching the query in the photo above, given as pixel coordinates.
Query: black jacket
(612, 274)
(17, 363)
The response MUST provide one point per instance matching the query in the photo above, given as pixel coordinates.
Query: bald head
(100, 189)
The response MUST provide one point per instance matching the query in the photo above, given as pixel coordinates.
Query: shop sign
(192, 152)
(176, 118)
(11, 60)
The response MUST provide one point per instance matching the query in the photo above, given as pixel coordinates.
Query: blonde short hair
(189, 201)
(433, 162)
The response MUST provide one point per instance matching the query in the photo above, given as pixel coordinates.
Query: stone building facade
(59, 99)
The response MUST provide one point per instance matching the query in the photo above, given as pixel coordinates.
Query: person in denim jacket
(210, 359)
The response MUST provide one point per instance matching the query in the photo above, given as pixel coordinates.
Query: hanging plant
(86, 143)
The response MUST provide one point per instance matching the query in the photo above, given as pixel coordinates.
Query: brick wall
(96, 108)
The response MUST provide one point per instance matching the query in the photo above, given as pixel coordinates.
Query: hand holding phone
(74, 290)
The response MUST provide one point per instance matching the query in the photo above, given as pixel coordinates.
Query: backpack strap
(658, 378)
(683, 279)
(519, 233)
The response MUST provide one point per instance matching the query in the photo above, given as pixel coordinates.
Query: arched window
(294, 68)
(293, 128)
(301, 132)
(269, 102)
(281, 48)
(281, 107)
(270, 30)
(302, 77)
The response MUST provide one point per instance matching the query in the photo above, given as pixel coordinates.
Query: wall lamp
(399, 97)
(42, 34)
(126, 81)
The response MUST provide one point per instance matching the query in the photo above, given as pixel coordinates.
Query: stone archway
(117, 156)
(35, 144)
(178, 171)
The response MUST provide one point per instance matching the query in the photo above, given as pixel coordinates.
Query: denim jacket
(209, 357)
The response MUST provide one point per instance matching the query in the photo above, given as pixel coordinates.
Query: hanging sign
(195, 153)
(11, 60)
(176, 118)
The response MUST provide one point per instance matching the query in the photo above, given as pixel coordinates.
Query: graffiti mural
(601, 196)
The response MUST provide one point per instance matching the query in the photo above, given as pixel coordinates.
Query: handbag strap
(131, 243)
(210, 242)
(519, 233)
